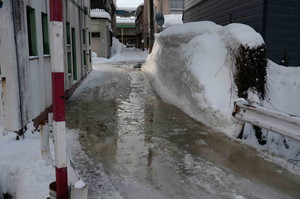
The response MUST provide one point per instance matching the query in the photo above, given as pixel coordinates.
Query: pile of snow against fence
(201, 67)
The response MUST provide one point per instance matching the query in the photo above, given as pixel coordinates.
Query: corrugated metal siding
(283, 31)
(225, 11)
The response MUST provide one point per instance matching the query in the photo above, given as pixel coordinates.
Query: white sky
(129, 3)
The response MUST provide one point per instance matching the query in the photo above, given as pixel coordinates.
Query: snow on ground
(192, 67)
(120, 53)
(172, 19)
(22, 171)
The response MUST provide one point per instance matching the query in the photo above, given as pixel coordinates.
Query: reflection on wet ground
(149, 149)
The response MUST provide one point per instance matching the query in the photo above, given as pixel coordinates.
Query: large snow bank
(193, 68)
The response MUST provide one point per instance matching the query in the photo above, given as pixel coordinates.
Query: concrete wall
(9, 101)
(101, 45)
(26, 83)
(79, 21)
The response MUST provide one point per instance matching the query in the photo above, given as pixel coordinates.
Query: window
(31, 27)
(69, 62)
(89, 38)
(68, 33)
(83, 37)
(84, 57)
(74, 54)
(176, 5)
(90, 52)
(45, 34)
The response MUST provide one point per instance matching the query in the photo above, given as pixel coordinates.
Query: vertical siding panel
(283, 31)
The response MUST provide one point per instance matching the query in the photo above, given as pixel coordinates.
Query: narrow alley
(131, 145)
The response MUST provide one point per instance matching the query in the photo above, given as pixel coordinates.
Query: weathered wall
(33, 73)
(101, 45)
(9, 90)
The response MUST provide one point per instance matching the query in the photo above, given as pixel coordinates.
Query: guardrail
(281, 123)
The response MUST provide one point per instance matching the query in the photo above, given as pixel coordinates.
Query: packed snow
(192, 69)
(192, 66)
(23, 173)
(120, 53)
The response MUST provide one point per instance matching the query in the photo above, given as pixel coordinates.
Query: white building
(101, 27)
(25, 57)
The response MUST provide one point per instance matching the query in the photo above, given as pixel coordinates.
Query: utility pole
(151, 13)
(58, 90)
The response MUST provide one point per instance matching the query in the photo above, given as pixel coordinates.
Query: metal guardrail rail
(281, 123)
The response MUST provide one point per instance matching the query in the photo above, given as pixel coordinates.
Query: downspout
(21, 131)
(265, 16)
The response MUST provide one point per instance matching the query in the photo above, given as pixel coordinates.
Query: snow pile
(120, 53)
(193, 68)
(283, 91)
(21, 167)
(172, 19)
(100, 13)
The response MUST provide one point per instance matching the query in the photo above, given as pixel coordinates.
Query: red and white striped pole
(58, 90)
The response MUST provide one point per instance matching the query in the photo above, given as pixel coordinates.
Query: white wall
(78, 20)
(101, 44)
(9, 109)
(33, 74)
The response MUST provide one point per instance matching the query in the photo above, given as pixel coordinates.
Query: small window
(31, 27)
(83, 37)
(68, 33)
(45, 34)
(176, 5)
(89, 38)
(69, 62)
(90, 52)
(84, 57)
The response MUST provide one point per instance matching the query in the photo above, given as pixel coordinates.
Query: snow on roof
(128, 9)
(172, 19)
(127, 20)
(100, 13)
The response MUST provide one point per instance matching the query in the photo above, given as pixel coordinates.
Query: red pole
(58, 88)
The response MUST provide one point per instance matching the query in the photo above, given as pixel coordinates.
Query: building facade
(25, 57)
(126, 25)
(277, 21)
(166, 7)
(103, 25)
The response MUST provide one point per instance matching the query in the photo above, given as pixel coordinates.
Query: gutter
(21, 131)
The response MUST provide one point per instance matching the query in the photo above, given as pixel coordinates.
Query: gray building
(276, 20)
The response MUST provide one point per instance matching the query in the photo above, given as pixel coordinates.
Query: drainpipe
(21, 132)
(58, 88)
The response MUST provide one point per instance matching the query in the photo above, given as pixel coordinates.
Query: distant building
(25, 57)
(142, 26)
(166, 7)
(126, 25)
(103, 25)
(276, 20)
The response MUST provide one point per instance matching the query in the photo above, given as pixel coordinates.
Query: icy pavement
(127, 143)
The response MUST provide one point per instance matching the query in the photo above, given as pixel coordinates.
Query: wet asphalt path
(133, 145)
